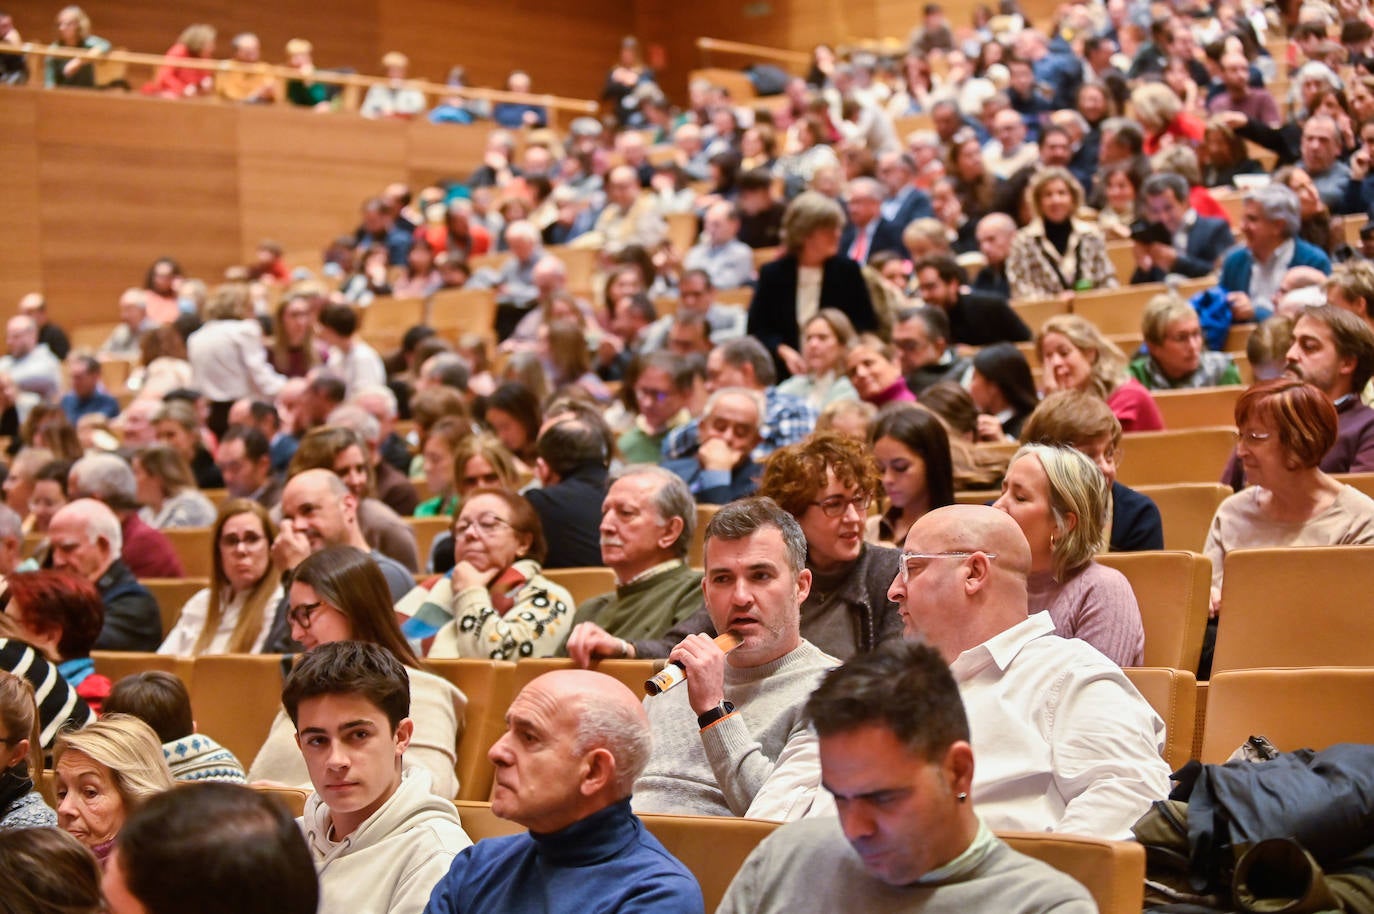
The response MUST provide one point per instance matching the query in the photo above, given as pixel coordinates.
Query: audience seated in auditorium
(496, 602)
(234, 614)
(753, 753)
(384, 840)
(108, 479)
(647, 521)
(1059, 500)
(575, 744)
(104, 772)
(894, 747)
(338, 594)
(21, 759)
(161, 701)
(722, 468)
(1068, 743)
(254, 861)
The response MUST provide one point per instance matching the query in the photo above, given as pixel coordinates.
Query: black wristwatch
(715, 714)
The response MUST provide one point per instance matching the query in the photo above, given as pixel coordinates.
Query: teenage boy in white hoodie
(379, 839)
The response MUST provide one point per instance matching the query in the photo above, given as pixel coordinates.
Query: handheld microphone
(674, 673)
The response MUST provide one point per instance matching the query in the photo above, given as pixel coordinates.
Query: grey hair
(747, 350)
(101, 523)
(107, 478)
(386, 394)
(358, 420)
(522, 228)
(620, 728)
(747, 516)
(1166, 182)
(672, 499)
(1125, 130)
(1278, 203)
(1068, 114)
(448, 368)
(866, 187)
(11, 524)
(754, 396)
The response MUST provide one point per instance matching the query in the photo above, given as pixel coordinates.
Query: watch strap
(724, 709)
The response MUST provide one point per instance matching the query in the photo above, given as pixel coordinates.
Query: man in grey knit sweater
(894, 745)
(733, 740)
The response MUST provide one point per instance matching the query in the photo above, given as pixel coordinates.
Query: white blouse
(181, 640)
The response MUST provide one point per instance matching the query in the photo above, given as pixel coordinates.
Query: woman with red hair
(61, 615)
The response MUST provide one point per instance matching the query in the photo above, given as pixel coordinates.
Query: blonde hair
(229, 302)
(19, 715)
(1109, 366)
(1076, 487)
(395, 59)
(1155, 105)
(1042, 179)
(1160, 312)
(298, 46)
(129, 749)
(196, 38)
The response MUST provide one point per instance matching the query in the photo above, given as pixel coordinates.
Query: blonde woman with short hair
(1059, 499)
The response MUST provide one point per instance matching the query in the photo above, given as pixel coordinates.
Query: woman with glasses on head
(1286, 427)
(496, 602)
(233, 614)
(339, 594)
(1059, 499)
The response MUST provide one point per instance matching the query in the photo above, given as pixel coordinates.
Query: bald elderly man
(1064, 742)
(575, 742)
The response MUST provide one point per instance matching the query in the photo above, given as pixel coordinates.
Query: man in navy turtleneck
(575, 742)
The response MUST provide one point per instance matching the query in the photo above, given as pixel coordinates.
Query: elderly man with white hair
(30, 363)
(1252, 273)
(86, 539)
(514, 280)
(108, 479)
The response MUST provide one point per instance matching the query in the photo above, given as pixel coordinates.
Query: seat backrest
(1289, 606)
(480, 822)
(1035, 313)
(453, 312)
(712, 847)
(426, 531)
(1113, 872)
(293, 798)
(192, 545)
(1117, 310)
(696, 553)
(1310, 708)
(115, 665)
(1173, 695)
(1188, 455)
(1186, 509)
(582, 583)
(1174, 591)
(235, 698)
(171, 595)
(487, 685)
(1199, 408)
(1362, 481)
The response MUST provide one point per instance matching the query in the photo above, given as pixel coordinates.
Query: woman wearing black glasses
(496, 603)
(339, 594)
(233, 614)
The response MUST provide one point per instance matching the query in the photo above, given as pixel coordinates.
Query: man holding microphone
(732, 740)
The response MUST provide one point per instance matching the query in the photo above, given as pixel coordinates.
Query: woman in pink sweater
(1058, 497)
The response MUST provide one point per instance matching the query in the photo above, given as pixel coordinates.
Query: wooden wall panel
(438, 152)
(21, 268)
(123, 184)
(302, 180)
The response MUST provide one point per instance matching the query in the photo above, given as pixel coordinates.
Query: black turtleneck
(1058, 234)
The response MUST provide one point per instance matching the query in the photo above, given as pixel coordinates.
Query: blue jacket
(1236, 268)
(716, 487)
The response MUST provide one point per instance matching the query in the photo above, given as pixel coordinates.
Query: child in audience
(161, 701)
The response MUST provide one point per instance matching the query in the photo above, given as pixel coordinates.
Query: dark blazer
(1208, 239)
(979, 320)
(132, 620)
(1136, 525)
(993, 281)
(773, 310)
(886, 237)
(744, 480)
(915, 206)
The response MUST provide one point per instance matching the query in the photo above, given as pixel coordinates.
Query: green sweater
(644, 609)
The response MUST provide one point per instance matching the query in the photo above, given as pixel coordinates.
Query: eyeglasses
(656, 396)
(487, 524)
(301, 615)
(909, 557)
(1251, 438)
(835, 505)
(251, 540)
